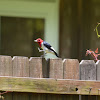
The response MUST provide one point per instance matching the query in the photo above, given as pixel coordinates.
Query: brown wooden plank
(71, 68)
(38, 69)
(69, 97)
(88, 72)
(71, 71)
(55, 68)
(5, 66)
(98, 69)
(20, 69)
(98, 75)
(20, 66)
(38, 96)
(52, 86)
(6, 70)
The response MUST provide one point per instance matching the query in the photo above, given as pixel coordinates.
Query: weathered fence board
(98, 75)
(71, 71)
(6, 70)
(53, 86)
(55, 68)
(20, 66)
(55, 71)
(71, 68)
(20, 69)
(37, 70)
(5, 66)
(36, 67)
(98, 69)
(88, 72)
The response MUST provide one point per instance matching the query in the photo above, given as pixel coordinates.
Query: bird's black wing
(47, 45)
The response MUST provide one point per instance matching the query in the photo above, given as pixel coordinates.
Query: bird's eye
(38, 40)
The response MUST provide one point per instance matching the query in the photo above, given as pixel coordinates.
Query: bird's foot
(40, 50)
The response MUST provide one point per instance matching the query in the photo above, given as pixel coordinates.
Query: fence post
(20, 69)
(6, 70)
(88, 72)
(71, 71)
(38, 69)
(98, 69)
(55, 69)
(98, 75)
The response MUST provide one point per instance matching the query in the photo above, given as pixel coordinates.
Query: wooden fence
(55, 79)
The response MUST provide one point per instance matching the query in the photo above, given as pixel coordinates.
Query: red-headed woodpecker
(46, 47)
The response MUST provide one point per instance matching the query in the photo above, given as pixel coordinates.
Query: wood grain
(37, 67)
(88, 72)
(98, 74)
(20, 69)
(55, 68)
(37, 70)
(5, 66)
(20, 66)
(52, 86)
(6, 70)
(71, 71)
(71, 68)
(98, 69)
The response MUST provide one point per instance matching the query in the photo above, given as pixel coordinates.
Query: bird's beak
(35, 40)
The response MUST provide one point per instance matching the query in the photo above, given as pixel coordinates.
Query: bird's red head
(39, 41)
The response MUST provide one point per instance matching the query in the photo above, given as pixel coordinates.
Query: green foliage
(97, 30)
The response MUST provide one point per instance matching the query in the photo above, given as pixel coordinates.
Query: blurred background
(18, 35)
(69, 26)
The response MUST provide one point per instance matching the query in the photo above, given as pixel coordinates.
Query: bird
(46, 47)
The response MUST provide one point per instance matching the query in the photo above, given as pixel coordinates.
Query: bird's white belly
(46, 49)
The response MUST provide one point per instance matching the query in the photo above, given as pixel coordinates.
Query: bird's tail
(56, 54)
